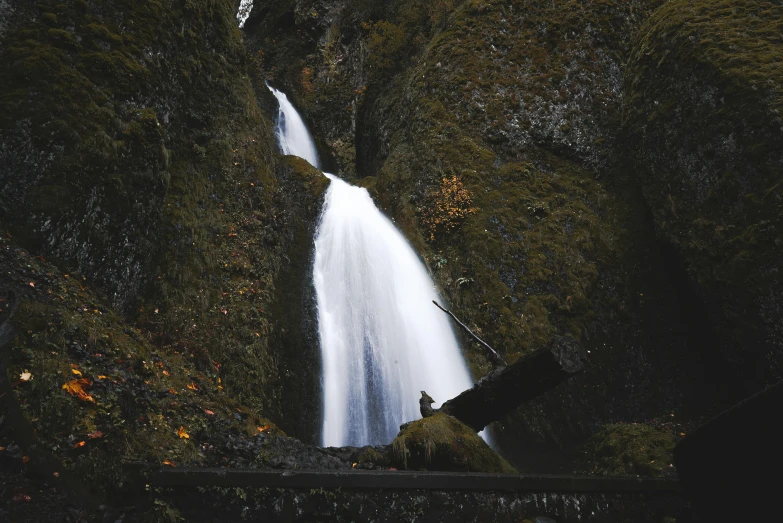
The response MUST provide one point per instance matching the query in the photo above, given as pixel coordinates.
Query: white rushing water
(243, 13)
(382, 339)
(292, 133)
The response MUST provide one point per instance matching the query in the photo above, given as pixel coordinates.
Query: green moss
(369, 457)
(441, 442)
(737, 49)
(703, 106)
(154, 177)
(386, 45)
(141, 394)
(307, 175)
(629, 450)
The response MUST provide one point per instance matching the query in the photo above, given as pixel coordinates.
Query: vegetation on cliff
(152, 174)
(99, 393)
(629, 449)
(703, 114)
(147, 224)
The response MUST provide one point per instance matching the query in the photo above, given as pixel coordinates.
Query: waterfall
(382, 339)
(292, 133)
(243, 13)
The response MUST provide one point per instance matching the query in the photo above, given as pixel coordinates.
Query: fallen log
(505, 388)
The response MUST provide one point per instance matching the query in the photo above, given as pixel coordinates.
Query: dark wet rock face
(101, 124)
(703, 107)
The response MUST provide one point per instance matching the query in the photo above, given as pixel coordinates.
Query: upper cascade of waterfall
(292, 133)
(382, 339)
(243, 13)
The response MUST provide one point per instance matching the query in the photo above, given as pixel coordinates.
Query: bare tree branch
(495, 356)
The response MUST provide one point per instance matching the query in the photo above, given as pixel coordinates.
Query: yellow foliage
(385, 43)
(307, 79)
(447, 206)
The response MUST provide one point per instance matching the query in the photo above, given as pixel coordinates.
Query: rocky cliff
(600, 169)
(703, 116)
(534, 154)
(150, 232)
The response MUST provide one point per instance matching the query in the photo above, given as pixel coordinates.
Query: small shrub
(446, 206)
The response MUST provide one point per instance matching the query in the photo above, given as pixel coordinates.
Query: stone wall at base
(216, 504)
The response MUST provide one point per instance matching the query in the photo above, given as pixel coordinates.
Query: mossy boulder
(442, 442)
(117, 126)
(489, 156)
(629, 449)
(704, 115)
(142, 196)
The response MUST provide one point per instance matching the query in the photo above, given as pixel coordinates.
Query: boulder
(703, 108)
(441, 442)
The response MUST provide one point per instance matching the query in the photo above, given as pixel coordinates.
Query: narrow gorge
(381, 340)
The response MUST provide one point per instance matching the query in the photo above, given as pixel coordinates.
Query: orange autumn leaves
(182, 433)
(76, 388)
(446, 206)
(92, 435)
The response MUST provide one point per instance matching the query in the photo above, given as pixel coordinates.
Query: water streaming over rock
(292, 133)
(382, 339)
(243, 13)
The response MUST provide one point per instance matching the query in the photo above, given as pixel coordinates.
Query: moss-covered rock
(506, 121)
(294, 331)
(143, 200)
(703, 114)
(100, 393)
(442, 442)
(134, 152)
(104, 112)
(629, 449)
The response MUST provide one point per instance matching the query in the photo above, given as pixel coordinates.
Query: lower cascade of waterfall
(382, 339)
